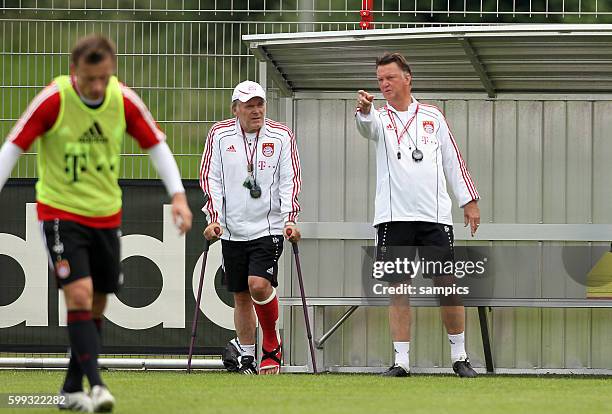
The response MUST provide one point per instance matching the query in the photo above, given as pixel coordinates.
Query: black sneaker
(395, 371)
(231, 355)
(247, 365)
(464, 369)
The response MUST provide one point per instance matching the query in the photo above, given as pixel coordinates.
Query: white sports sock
(402, 354)
(248, 350)
(457, 347)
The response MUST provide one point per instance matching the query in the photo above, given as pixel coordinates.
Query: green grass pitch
(212, 392)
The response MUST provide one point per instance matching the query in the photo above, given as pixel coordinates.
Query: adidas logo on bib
(93, 135)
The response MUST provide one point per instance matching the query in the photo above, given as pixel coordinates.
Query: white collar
(411, 108)
(262, 131)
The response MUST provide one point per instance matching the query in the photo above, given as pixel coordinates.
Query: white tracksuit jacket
(415, 191)
(277, 171)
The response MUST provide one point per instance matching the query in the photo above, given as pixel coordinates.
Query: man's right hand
(364, 102)
(213, 232)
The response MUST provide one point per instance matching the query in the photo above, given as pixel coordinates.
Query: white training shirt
(415, 191)
(276, 169)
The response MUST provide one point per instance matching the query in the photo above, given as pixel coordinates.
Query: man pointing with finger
(251, 174)
(416, 156)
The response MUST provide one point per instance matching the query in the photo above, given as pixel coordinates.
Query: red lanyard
(249, 153)
(400, 136)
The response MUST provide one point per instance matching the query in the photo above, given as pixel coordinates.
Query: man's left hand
(295, 233)
(471, 216)
(181, 214)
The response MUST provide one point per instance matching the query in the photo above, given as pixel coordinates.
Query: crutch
(296, 253)
(196, 313)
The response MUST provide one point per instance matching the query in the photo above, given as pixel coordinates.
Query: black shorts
(77, 251)
(399, 240)
(258, 257)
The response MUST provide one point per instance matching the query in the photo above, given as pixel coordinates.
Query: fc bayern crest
(268, 149)
(428, 126)
(62, 269)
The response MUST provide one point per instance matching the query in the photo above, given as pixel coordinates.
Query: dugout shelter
(530, 108)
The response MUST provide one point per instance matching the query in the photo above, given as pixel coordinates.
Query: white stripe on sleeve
(50, 90)
(144, 111)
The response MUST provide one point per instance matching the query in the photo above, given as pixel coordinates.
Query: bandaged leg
(267, 313)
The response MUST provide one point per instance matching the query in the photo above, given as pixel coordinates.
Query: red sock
(267, 313)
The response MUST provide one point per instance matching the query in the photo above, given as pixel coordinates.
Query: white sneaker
(75, 401)
(103, 401)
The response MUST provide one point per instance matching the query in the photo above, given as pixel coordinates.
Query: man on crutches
(250, 172)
